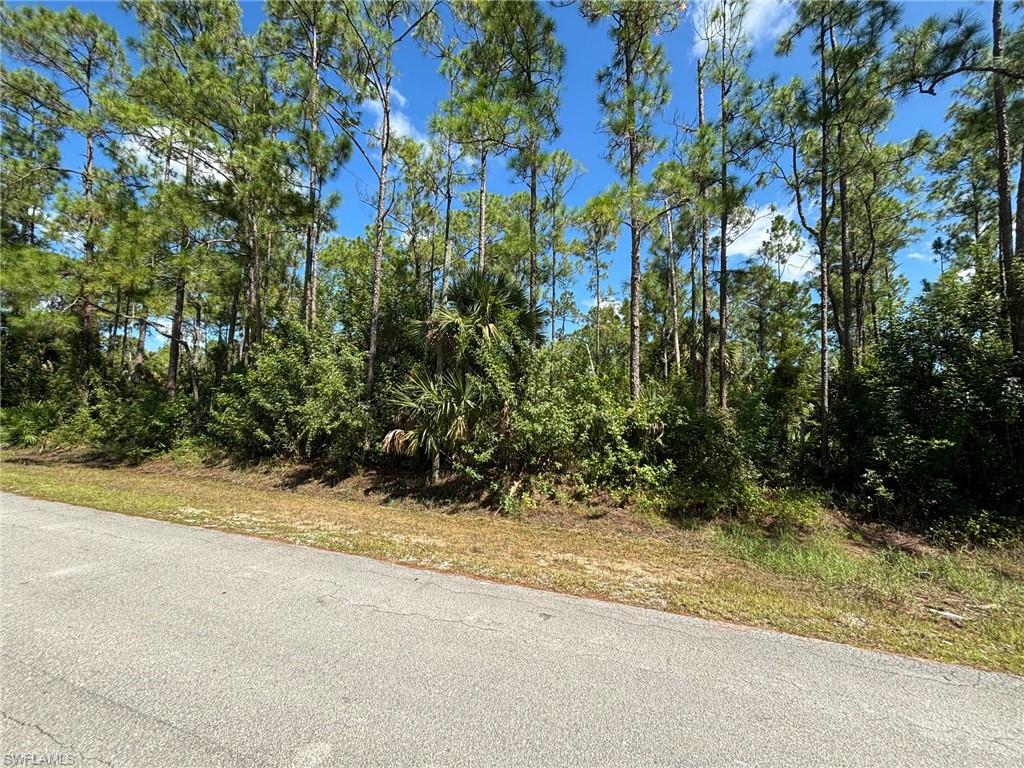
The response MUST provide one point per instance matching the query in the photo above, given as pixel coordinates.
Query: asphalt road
(131, 642)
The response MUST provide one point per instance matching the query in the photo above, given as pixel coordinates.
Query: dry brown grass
(837, 584)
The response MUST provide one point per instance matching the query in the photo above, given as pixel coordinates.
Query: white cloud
(747, 242)
(765, 20)
(966, 274)
(149, 150)
(401, 124)
(607, 300)
(614, 304)
(918, 256)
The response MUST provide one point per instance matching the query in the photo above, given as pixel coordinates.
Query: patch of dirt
(883, 535)
(598, 514)
(409, 489)
(1008, 561)
(53, 456)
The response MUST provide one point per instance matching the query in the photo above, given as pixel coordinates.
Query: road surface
(132, 642)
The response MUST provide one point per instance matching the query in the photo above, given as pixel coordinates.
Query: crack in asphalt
(944, 678)
(431, 582)
(54, 739)
(131, 710)
(833, 692)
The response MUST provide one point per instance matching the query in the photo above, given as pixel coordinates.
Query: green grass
(829, 559)
(816, 558)
(804, 572)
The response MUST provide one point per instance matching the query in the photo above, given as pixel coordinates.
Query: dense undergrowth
(928, 431)
(178, 293)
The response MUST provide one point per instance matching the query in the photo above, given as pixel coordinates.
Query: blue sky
(587, 50)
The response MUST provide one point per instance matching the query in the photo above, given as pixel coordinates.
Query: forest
(175, 276)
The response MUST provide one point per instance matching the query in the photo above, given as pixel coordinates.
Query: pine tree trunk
(432, 269)
(846, 319)
(417, 262)
(175, 346)
(673, 297)
(312, 229)
(554, 285)
(308, 311)
(846, 266)
(232, 325)
(253, 305)
(693, 302)
(705, 265)
(378, 248)
(761, 335)
(1018, 244)
(976, 210)
(90, 327)
(533, 230)
(875, 334)
(140, 347)
(435, 460)
(115, 323)
(634, 243)
(1010, 276)
(823, 288)
(482, 213)
(447, 263)
(723, 279)
(124, 332)
(597, 303)
(193, 367)
(862, 283)
(179, 300)
(664, 351)
(446, 267)
(859, 319)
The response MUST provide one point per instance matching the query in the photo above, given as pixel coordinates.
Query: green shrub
(562, 416)
(77, 427)
(771, 416)
(194, 451)
(511, 497)
(300, 397)
(707, 452)
(932, 433)
(45, 425)
(437, 416)
(38, 360)
(976, 526)
(132, 421)
(788, 510)
(27, 426)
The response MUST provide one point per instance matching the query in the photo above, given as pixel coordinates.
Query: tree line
(179, 186)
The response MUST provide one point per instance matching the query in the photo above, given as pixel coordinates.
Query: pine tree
(537, 62)
(374, 31)
(729, 53)
(600, 221)
(307, 37)
(634, 91)
(83, 58)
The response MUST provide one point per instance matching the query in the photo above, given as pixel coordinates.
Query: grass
(832, 581)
